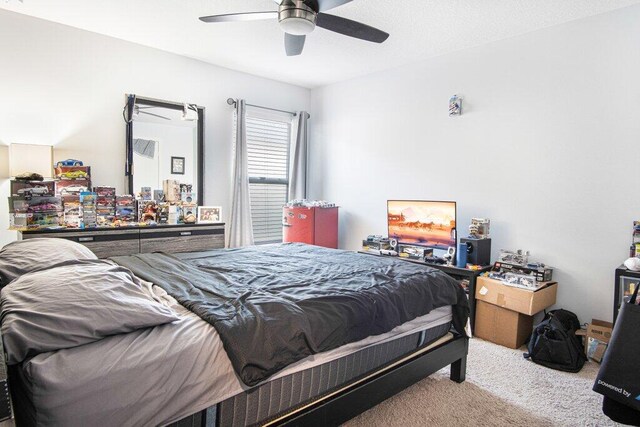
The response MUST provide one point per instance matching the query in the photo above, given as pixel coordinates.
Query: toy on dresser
(514, 269)
(126, 210)
(105, 205)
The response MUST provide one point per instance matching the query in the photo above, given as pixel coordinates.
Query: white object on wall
(31, 158)
(455, 106)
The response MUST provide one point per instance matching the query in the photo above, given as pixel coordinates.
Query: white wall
(66, 87)
(547, 147)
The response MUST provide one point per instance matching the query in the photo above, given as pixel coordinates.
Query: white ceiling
(419, 29)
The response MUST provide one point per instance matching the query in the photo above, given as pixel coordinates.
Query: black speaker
(478, 250)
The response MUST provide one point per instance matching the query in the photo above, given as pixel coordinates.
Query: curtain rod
(232, 101)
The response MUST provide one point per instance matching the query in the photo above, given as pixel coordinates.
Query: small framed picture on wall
(177, 165)
(209, 214)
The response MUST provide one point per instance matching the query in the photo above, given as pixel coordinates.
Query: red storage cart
(312, 225)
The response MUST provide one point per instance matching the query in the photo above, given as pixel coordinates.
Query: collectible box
(414, 252)
(163, 213)
(148, 211)
(35, 212)
(188, 198)
(376, 245)
(102, 191)
(171, 189)
(72, 211)
(145, 193)
(541, 273)
(72, 187)
(189, 213)
(126, 208)
(32, 188)
(73, 172)
(88, 209)
(173, 216)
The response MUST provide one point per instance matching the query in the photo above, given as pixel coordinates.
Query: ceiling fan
(298, 18)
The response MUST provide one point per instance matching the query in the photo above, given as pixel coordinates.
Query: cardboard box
(600, 330)
(596, 338)
(502, 326)
(516, 299)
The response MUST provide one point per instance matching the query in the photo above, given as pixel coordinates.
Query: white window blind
(268, 137)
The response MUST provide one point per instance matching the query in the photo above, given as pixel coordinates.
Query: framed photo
(177, 165)
(209, 214)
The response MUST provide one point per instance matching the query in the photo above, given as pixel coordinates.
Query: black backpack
(554, 343)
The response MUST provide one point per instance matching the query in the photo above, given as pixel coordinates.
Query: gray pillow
(18, 258)
(75, 303)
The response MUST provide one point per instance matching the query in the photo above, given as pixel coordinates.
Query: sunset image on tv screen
(422, 223)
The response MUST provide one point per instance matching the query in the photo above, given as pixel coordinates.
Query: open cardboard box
(516, 299)
(504, 314)
(600, 332)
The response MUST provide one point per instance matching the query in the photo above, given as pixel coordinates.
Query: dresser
(108, 242)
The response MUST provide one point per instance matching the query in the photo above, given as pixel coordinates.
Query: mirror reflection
(165, 147)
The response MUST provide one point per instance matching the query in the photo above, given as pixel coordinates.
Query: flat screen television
(422, 223)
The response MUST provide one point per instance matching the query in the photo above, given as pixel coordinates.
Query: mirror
(164, 142)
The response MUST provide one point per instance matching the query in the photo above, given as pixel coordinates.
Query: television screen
(422, 223)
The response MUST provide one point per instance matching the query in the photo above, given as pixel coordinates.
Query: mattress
(159, 375)
(274, 305)
(281, 395)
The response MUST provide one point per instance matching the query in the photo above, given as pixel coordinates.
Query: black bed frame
(362, 396)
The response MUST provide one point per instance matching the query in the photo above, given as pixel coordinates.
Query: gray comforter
(274, 305)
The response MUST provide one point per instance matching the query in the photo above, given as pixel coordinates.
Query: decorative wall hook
(455, 106)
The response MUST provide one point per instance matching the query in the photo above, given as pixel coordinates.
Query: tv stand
(457, 273)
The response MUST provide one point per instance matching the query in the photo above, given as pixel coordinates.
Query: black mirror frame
(131, 101)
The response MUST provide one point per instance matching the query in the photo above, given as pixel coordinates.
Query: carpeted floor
(502, 389)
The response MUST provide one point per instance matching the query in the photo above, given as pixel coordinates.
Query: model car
(73, 189)
(124, 212)
(38, 190)
(69, 162)
(43, 207)
(29, 176)
(74, 174)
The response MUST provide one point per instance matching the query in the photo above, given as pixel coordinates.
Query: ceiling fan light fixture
(297, 26)
(297, 19)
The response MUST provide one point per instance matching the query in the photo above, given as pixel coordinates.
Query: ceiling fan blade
(293, 44)
(350, 28)
(324, 5)
(234, 17)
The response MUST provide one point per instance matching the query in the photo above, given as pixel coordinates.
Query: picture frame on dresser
(209, 214)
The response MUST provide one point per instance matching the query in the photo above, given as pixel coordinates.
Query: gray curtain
(298, 157)
(240, 228)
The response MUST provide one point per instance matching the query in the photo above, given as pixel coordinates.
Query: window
(268, 137)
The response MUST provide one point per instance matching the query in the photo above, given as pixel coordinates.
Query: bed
(196, 371)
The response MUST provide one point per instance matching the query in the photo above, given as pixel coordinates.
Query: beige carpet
(502, 389)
